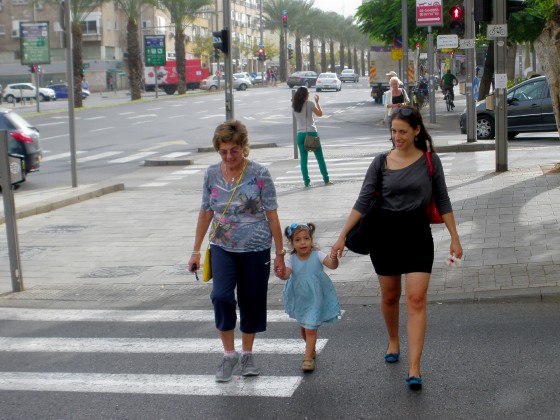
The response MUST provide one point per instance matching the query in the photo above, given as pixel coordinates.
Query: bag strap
(430, 166)
(228, 203)
(379, 181)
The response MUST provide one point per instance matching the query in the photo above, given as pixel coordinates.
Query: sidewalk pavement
(130, 247)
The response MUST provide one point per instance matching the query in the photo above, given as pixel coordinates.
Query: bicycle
(448, 100)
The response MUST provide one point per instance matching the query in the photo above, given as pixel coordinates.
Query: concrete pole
(70, 79)
(468, 6)
(500, 93)
(230, 114)
(432, 82)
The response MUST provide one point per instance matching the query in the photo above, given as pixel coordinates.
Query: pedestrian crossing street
(279, 386)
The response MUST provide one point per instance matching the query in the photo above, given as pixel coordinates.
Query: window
(161, 25)
(2, 30)
(89, 27)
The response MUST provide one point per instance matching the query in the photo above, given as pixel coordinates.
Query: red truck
(168, 79)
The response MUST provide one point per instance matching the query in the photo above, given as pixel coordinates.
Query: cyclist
(447, 82)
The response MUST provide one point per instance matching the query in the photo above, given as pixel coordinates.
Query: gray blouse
(305, 120)
(406, 189)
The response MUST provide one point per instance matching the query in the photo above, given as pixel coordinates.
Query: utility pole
(498, 31)
(469, 46)
(230, 114)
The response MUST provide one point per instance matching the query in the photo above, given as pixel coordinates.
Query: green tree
(183, 13)
(131, 8)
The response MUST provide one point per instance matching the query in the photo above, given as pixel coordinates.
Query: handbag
(360, 237)
(311, 143)
(433, 213)
(207, 265)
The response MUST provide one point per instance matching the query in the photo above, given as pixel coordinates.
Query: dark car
(61, 91)
(529, 110)
(302, 78)
(23, 139)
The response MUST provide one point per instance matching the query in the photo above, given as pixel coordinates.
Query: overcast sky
(342, 7)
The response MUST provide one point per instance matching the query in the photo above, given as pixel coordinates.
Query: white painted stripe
(98, 156)
(141, 116)
(53, 123)
(95, 118)
(186, 172)
(53, 137)
(148, 345)
(101, 129)
(130, 158)
(126, 113)
(105, 315)
(176, 155)
(262, 386)
(60, 156)
(154, 184)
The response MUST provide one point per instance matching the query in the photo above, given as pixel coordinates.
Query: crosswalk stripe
(60, 156)
(107, 315)
(130, 158)
(147, 345)
(199, 385)
(98, 156)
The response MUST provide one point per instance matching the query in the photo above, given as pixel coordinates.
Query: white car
(349, 75)
(328, 81)
(14, 92)
(239, 82)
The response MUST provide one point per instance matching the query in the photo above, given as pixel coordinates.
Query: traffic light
(284, 19)
(483, 10)
(221, 40)
(83, 70)
(290, 53)
(261, 54)
(33, 68)
(457, 25)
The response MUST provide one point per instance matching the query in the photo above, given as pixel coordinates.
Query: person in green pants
(303, 112)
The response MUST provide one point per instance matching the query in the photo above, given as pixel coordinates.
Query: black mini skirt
(402, 243)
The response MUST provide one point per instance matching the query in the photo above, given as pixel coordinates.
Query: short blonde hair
(232, 131)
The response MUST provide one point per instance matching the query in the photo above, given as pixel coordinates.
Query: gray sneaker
(248, 367)
(225, 370)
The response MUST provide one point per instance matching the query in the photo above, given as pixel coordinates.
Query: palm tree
(79, 9)
(183, 13)
(131, 8)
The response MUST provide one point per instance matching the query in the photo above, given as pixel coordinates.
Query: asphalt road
(486, 360)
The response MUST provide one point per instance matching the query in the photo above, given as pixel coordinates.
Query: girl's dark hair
(412, 117)
(300, 97)
(294, 228)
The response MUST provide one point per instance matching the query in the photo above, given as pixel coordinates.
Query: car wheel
(242, 86)
(484, 127)
(10, 99)
(318, 90)
(213, 87)
(42, 97)
(306, 84)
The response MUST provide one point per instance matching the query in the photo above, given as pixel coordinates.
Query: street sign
(429, 13)
(396, 54)
(447, 41)
(34, 43)
(154, 50)
(466, 43)
(495, 31)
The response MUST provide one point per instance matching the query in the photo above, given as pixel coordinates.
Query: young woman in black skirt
(401, 242)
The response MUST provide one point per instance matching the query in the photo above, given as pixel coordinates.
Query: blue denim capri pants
(249, 272)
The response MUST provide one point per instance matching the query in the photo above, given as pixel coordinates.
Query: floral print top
(244, 227)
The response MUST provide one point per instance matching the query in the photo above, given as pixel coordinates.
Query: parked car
(529, 110)
(16, 91)
(211, 83)
(328, 81)
(258, 78)
(349, 75)
(242, 81)
(302, 78)
(23, 139)
(61, 91)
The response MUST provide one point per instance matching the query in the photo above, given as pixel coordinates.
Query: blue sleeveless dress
(309, 295)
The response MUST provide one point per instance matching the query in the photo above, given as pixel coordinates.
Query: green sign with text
(154, 50)
(34, 43)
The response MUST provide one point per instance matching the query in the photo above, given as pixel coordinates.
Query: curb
(63, 200)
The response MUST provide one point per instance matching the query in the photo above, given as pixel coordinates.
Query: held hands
(337, 248)
(280, 267)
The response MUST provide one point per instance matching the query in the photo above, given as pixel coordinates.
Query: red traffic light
(456, 12)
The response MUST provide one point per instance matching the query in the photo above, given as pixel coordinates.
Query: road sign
(447, 41)
(154, 50)
(475, 88)
(34, 43)
(429, 13)
(466, 43)
(396, 54)
(495, 31)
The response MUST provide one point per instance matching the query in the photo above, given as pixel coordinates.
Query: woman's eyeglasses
(236, 151)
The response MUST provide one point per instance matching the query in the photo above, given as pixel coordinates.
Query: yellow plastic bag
(207, 266)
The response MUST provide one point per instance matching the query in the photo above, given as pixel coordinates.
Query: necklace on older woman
(230, 176)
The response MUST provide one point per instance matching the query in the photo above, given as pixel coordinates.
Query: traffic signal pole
(471, 103)
(230, 114)
(500, 91)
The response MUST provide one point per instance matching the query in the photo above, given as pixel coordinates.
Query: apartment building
(104, 39)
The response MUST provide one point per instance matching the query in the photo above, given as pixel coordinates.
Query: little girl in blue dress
(309, 295)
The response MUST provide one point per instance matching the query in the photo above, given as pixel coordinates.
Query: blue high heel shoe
(414, 382)
(392, 357)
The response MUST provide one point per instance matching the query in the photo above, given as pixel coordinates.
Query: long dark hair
(412, 117)
(300, 97)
